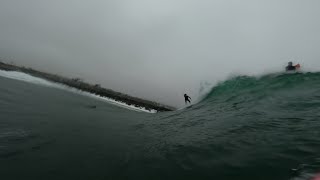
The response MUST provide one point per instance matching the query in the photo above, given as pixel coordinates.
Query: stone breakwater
(86, 87)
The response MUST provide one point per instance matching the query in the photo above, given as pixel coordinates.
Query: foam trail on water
(35, 80)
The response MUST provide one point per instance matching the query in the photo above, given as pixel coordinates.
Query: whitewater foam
(35, 80)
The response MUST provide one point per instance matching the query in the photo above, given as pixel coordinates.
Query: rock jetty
(86, 87)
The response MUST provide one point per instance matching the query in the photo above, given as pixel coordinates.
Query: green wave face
(274, 88)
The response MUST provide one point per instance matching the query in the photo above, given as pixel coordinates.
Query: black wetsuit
(290, 68)
(186, 99)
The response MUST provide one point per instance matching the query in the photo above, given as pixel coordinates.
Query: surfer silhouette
(290, 67)
(187, 98)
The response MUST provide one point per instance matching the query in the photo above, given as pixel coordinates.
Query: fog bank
(160, 50)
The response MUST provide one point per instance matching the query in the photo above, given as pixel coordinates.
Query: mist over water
(160, 50)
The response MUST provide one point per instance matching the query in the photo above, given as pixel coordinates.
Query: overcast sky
(159, 49)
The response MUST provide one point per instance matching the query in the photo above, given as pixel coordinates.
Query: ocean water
(259, 128)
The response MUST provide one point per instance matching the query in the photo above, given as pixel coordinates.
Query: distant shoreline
(86, 87)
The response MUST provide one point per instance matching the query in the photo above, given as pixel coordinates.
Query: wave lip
(264, 85)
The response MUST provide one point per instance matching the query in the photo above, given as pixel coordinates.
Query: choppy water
(265, 128)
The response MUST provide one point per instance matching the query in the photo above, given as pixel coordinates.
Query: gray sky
(160, 49)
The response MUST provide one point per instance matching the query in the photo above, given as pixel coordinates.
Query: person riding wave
(187, 98)
(290, 67)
